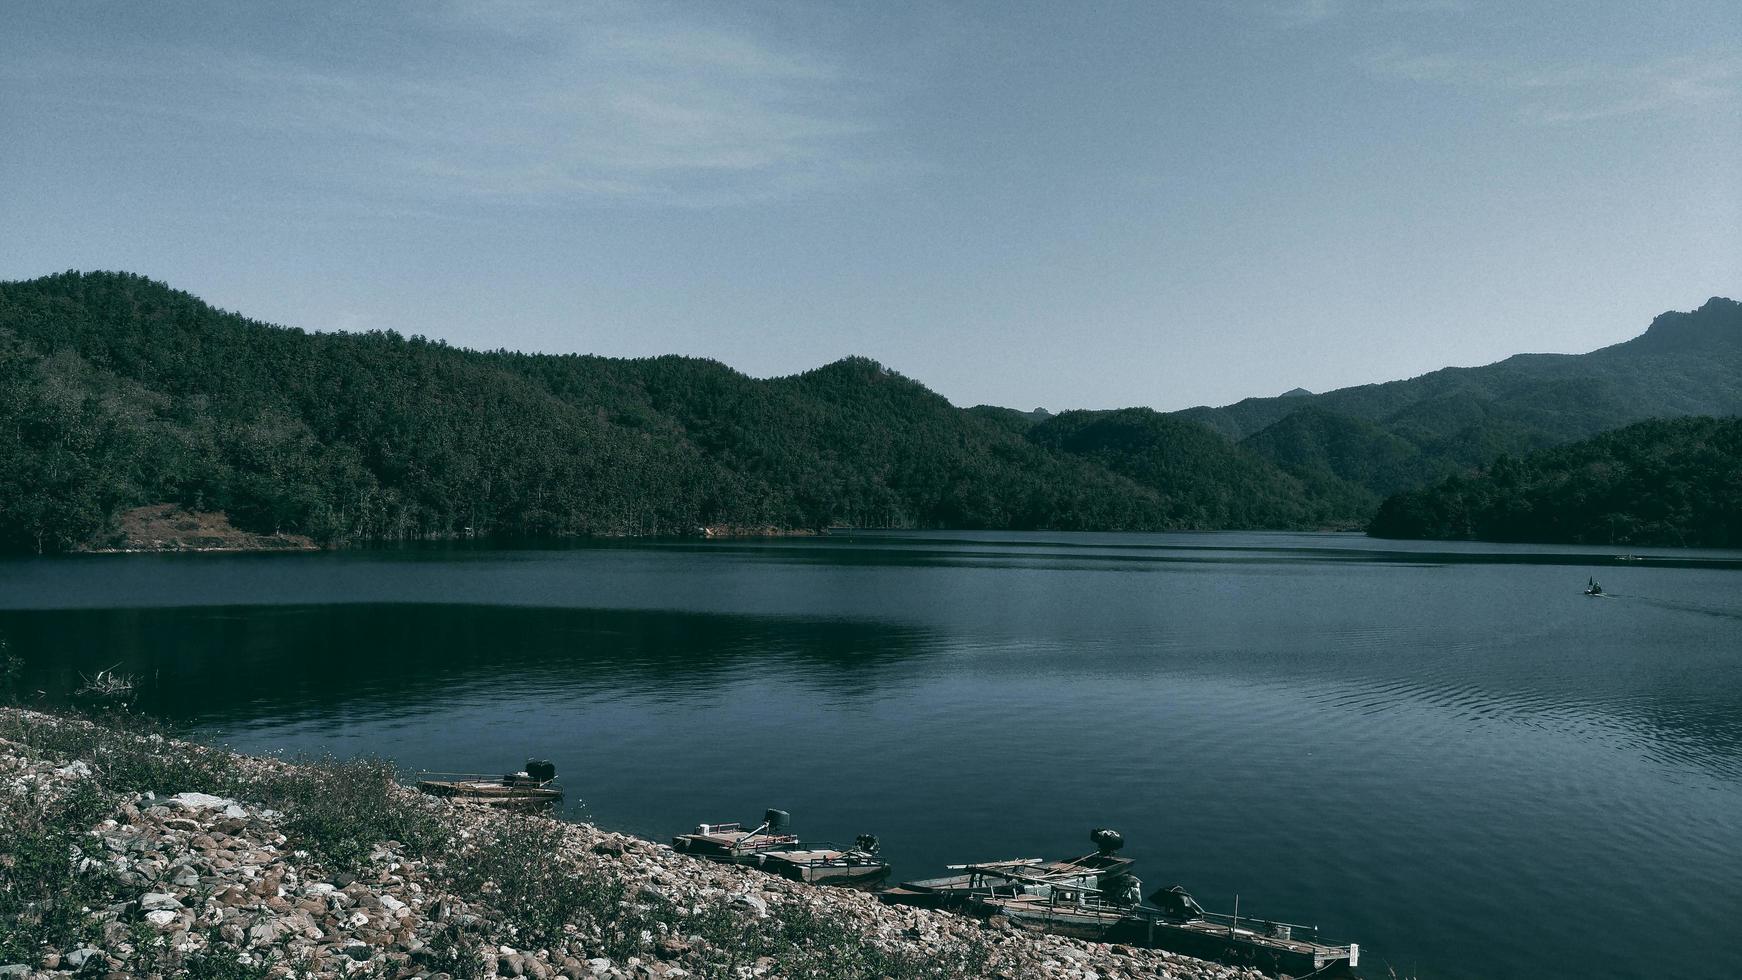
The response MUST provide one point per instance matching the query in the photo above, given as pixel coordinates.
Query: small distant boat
(1628, 558)
(536, 784)
(731, 843)
(1593, 589)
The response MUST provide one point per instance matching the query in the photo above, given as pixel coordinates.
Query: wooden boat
(532, 786)
(1276, 948)
(857, 865)
(731, 843)
(1024, 875)
(1096, 897)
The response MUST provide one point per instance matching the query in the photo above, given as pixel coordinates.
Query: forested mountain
(117, 391)
(1202, 480)
(1448, 421)
(1662, 482)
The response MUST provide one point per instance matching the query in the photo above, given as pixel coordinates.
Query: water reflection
(215, 666)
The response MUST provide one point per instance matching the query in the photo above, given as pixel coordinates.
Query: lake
(1442, 751)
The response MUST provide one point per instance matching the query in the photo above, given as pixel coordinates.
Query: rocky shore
(282, 875)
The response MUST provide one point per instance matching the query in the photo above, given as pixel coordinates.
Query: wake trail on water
(1722, 612)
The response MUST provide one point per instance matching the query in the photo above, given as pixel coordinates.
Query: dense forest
(1663, 482)
(117, 391)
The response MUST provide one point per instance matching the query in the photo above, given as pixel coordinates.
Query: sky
(1061, 205)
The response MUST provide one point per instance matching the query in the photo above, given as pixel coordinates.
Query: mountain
(1451, 420)
(122, 392)
(1202, 480)
(1662, 482)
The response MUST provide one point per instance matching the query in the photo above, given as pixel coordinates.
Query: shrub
(44, 893)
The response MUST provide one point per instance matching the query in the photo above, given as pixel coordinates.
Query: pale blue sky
(1068, 205)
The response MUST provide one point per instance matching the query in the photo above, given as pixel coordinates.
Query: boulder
(152, 901)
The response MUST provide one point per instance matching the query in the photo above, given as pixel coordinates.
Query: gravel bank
(272, 878)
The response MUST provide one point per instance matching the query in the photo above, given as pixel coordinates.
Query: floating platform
(825, 866)
(731, 843)
(533, 786)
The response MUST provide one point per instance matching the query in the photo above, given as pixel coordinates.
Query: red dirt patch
(167, 527)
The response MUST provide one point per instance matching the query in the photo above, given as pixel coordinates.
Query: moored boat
(1027, 875)
(731, 843)
(1096, 897)
(1174, 922)
(534, 785)
(857, 865)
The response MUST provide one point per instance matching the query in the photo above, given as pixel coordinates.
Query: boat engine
(1127, 890)
(776, 820)
(867, 843)
(1106, 841)
(1175, 902)
(540, 770)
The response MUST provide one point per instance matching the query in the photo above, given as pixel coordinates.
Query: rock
(15, 970)
(77, 958)
(161, 918)
(751, 902)
(152, 901)
(234, 896)
(206, 801)
(670, 948)
(266, 932)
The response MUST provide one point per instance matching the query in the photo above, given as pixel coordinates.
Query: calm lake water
(1442, 751)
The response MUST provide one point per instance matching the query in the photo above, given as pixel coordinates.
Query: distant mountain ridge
(123, 392)
(1450, 420)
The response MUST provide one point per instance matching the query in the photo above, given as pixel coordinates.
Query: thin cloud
(1291, 14)
(1576, 92)
(595, 103)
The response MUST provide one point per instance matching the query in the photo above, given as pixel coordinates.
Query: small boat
(1176, 923)
(823, 865)
(1026, 874)
(731, 843)
(1096, 897)
(1628, 558)
(1593, 589)
(534, 785)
